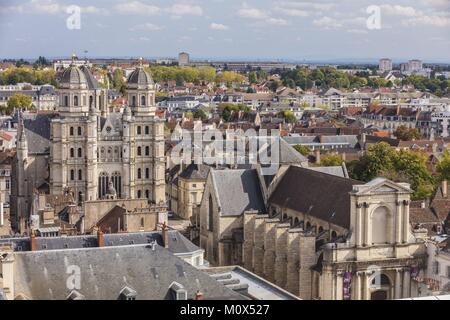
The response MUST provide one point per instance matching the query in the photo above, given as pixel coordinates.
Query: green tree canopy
(331, 160)
(407, 134)
(401, 166)
(288, 116)
(17, 101)
(303, 150)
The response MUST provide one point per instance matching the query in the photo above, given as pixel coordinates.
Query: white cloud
(310, 6)
(292, 12)
(136, 7)
(181, 9)
(397, 10)
(218, 26)
(434, 21)
(277, 22)
(47, 7)
(251, 13)
(146, 27)
(357, 31)
(327, 23)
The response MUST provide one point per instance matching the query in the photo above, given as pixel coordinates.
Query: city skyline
(265, 30)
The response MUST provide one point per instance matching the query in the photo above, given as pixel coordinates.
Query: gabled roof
(237, 191)
(318, 194)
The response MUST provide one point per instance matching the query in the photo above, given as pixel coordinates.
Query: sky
(312, 30)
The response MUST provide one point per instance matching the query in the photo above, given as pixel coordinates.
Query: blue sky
(275, 29)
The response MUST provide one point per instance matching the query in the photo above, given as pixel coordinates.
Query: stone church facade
(95, 154)
(322, 237)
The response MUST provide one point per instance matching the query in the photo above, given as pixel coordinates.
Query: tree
(227, 109)
(303, 150)
(443, 167)
(274, 85)
(189, 115)
(331, 160)
(200, 114)
(253, 77)
(17, 101)
(407, 134)
(288, 116)
(401, 166)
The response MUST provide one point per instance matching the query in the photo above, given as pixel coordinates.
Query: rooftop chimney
(33, 241)
(444, 189)
(100, 238)
(318, 160)
(199, 295)
(165, 235)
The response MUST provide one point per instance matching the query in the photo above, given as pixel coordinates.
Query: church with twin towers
(89, 150)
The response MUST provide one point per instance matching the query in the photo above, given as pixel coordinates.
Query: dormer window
(178, 292)
(75, 295)
(127, 293)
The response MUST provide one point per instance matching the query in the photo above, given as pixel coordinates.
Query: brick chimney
(33, 241)
(199, 295)
(165, 235)
(100, 238)
(444, 188)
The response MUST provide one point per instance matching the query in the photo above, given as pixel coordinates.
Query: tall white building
(415, 65)
(385, 65)
(183, 59)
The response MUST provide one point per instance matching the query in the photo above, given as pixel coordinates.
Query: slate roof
(73, 75)
(195, 172)
(237, 191)
(140, 77)
(90, 79)
(316, 193)
(338, 171)
(37, 132)
(106, 271)
(177, 242)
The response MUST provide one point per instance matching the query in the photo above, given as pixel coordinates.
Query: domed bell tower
(141, 92)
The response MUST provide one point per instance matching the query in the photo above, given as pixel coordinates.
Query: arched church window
(147, 173)
(72, 152)
(142, 223)
(296, 221)
(210, 214)
(143, 101)
(80, 197)
(103, 184)
(80, 175)
(333, 235)
(139, 194)
(66, 101)
(308, 225)
(80, 153)
(139, 130)
(80, 132)
(117, 182)
(320, 229)
(91, 101)
(102, 153)
(72, 175)
(147, 130)
(133, 101)
(147, 150)
(139, 151)
(71, 131)
(75, 101)
(147, 194)
(139, 173)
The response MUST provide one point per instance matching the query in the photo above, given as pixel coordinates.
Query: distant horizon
(350, 61)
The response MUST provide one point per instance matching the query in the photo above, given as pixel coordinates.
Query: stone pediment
(381, 185)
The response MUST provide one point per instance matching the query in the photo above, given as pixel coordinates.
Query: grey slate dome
(140, 77)
(73, 76)
(90, 79)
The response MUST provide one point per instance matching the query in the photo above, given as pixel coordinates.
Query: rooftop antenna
(85, 56)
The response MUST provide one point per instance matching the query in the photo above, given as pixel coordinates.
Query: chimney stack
(199, 295)
(33, 241)
(100, 238)
(165, 235)
(318, 160)
(444, 188)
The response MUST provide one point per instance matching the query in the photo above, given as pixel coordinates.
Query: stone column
(293, 256)
(398, 284)
(247, 247)
(406, 222)
(356, 286)
(365, 287)
(339, 286)
(398, 223)
(270, 229)
(307, 251)
(258, 245)
(367, 237)
(359, 224)
(406, 283)
(281, 254)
